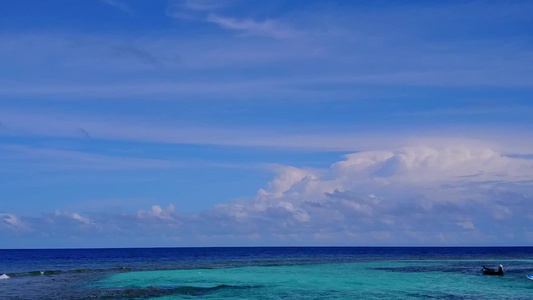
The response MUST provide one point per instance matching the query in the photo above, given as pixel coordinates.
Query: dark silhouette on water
(489, 271)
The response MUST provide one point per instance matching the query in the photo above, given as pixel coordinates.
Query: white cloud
(417, 194)
(157, 212)
(194, 10)
(203, 5)
(119, 4)
(250, 27)
(286, 178)
(83, 220)
(13, 223)
(457, 195)
(428, 164)
(75, 217)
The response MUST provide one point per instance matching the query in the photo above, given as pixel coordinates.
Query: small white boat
(530, 276)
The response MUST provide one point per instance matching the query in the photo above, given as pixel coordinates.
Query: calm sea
(266, 273)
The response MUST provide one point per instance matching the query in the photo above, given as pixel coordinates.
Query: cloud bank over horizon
(408, 196)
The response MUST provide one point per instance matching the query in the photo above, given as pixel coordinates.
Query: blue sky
(243, 123)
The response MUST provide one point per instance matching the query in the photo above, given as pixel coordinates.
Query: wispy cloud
(202, 5)
(329, 66)
(487, 109)
(203, 10)
(46, 124)
(13, 223)
(119, 5)
(250, 27)
(194, 10)
(74, 217)
(23, 157)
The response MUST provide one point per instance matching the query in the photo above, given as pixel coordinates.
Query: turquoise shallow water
(267, 273)
(445, 279)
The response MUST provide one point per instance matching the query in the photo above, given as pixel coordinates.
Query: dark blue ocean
(266, 273)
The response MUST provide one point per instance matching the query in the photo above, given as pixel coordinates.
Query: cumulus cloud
(285, 179)
(83, 220)
(160, 221)
(422, 194)
(427, 165)
(157, 212)
(408, 196)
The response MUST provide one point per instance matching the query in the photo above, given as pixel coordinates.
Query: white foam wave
(4, 276)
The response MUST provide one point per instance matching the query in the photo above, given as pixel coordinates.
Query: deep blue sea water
(267, 273)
